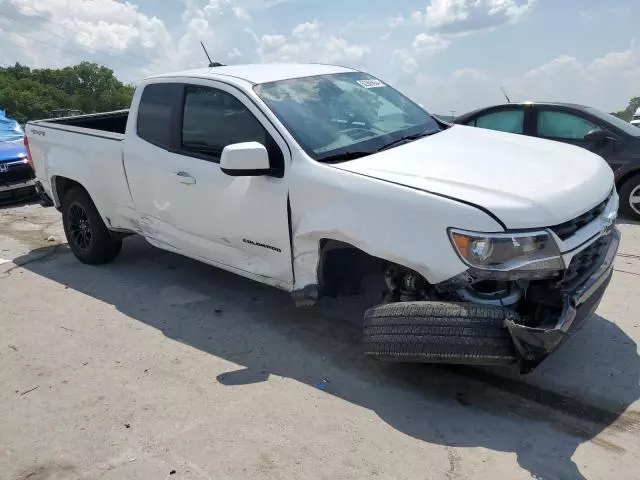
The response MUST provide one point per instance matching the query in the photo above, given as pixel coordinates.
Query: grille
(567, 229)
(585, 263)
(16, 173)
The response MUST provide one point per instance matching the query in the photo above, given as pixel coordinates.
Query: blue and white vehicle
(17, 178)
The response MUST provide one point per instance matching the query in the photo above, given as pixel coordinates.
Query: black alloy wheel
(79, 226)
(89, 238)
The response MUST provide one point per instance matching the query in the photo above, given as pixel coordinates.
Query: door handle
(184, 177)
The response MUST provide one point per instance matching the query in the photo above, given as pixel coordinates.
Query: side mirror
(598, 137)
(245, 159)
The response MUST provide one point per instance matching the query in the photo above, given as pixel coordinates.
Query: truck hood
(13, 150)
(526, 182)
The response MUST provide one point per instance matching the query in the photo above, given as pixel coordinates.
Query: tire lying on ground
(439, 332)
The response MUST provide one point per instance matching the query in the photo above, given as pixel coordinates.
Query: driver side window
(563, 125)
(213, 119)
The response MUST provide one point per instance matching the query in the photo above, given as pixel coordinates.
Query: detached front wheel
(89, 238)
(439, 332)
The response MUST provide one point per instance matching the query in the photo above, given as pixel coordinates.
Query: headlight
(527, 255)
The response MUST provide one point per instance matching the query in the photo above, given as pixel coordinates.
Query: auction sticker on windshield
(371, 83)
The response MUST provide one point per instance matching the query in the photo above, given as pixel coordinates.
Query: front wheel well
(342, 267)
(345, 270)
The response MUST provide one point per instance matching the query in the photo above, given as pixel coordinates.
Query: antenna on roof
(211, 63)
(505, 95)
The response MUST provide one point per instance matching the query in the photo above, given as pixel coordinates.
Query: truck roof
(260, 73)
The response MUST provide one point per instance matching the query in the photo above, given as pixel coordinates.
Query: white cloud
(588, 14)
(591, 15)
(404, 61)
(224, 26)
(444, 12)
(271, 43)
(119, 35)
(307, 31)
(134, 43)
(460, 91)
(429, 43)
(456, 16)
(395, 22)
(606, 82)
(71, 30)
(259, 5)
(234, 53)
(621, 11)
(309, 44)
(623, 60)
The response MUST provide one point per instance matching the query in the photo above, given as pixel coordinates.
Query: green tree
(28, 94)
(628, 112)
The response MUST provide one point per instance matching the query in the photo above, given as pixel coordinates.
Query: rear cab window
(155, 113)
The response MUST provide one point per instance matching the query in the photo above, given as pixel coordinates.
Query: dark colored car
(617, 141)
(17, 178)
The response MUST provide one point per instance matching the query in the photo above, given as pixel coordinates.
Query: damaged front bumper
(534, 344)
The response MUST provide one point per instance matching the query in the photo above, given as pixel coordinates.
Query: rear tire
(630, 189)
(89, 238)
(439, 332)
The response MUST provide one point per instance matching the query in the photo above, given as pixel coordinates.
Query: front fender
(388, 221)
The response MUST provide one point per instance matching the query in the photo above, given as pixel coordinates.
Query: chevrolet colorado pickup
(484, 247)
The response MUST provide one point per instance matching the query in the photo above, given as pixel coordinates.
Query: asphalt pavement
(157, 366)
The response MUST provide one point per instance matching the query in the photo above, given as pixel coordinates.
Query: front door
(237, 223)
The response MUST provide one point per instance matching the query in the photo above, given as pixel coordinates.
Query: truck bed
(108, 122)
(86, 149)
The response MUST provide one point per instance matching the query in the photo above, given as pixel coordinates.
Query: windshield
(353, 112)
(620, 124)
(9, 129)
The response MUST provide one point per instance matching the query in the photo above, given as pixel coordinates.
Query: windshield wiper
(352, 155)
(406, 139)
(344, 156)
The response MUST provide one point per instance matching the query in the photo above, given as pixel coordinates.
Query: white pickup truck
(485, 247)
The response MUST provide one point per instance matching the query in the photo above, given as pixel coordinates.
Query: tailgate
(93, 158)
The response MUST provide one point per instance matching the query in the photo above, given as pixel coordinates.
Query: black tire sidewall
(439, 332)
(625, 193)
(104, 246)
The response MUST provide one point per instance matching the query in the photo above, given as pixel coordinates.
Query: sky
(449, 55)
